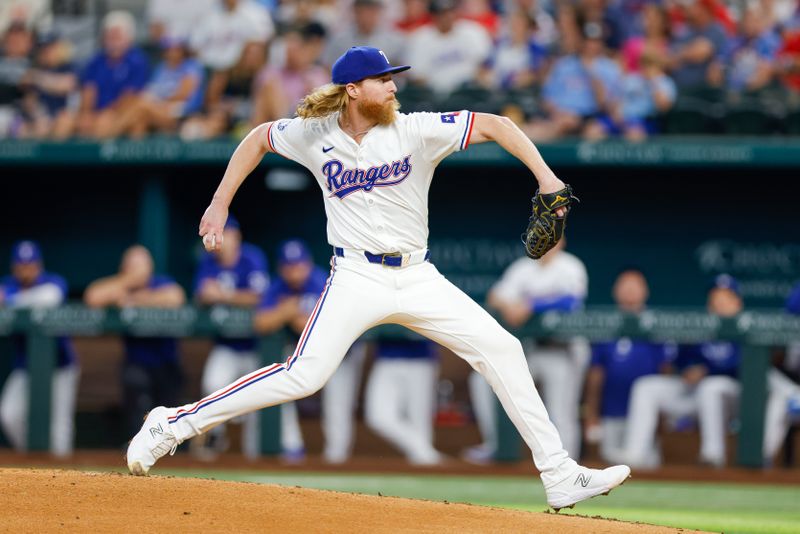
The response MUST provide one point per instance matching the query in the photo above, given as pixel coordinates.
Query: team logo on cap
(26, 251)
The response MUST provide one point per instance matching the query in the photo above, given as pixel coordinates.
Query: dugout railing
(757, 331)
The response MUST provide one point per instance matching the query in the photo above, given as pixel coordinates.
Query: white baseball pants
(651, 396)
(339, 398)
(718, 400)
(400, 402)
(361, 295)
(14, 409)
(224, 365)
(560, 374)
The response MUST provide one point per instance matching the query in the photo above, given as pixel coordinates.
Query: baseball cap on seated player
(293, 251)
(362, 62)
(26, 252)
(725, 281)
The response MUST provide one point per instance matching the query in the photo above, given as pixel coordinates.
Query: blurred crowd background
(201, 69)
(205, 69)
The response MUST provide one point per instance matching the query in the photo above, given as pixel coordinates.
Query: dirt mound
(38, 500)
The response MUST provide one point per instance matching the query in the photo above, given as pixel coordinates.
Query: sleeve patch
(449, 118)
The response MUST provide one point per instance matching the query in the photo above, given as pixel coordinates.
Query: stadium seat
(526, 100)
(749, 117)
(691, 115)
(416, 98)
(472, 97)
(792, 122)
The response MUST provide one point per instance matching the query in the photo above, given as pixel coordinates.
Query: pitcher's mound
(37, 500)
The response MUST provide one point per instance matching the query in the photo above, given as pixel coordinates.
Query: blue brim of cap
(390, 70)
(395, 70)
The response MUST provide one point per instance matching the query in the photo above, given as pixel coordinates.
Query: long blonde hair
(323, 101)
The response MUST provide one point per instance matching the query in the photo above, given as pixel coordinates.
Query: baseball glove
(545, 228)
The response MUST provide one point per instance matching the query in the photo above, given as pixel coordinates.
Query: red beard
(382, 113)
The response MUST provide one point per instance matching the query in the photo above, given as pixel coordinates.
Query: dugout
(682, 209)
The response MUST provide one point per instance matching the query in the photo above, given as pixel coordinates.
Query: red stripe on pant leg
(232, 387)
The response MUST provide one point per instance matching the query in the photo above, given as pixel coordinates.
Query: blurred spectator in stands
(295, 12)
(15, 60)
(113, 78)
(235, 275)
(288, 304)
(231, 43)
(605, 15)
(175, 19)
(654, 41)
(481, 11)
(415, 15)
(787, 63)
(151, 374)
(578, 89)
(557, 282)
(614, 368)
(646, 91)
(280, 88)
(545, 32)
(569, 30)
(28, 287)
(449, 53)
(174, 92)
(35, 15)
(746, 63)
(695, 45)
(517, 61)
(400, 397)
(369, 28)
(48, 87)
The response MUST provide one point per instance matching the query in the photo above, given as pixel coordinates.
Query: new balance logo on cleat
(583, 479)
(156, 430)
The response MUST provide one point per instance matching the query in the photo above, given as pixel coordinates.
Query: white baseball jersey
(376, 192)
(445, 61)
(526, 280)
(220, 38)
(376, 200)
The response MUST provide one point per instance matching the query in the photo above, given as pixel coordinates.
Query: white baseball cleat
(153, 441)
(585, 483)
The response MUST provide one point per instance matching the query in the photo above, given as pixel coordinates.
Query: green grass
(729, 508)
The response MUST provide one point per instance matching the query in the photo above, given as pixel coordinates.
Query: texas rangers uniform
(47, 291)
(400, 398)
(376, 200)
(232, 357)
(623, 361)
(672, 395)
(340, 394)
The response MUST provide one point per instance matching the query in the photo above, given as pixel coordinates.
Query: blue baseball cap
(231, 223)
(725, 281)
(293, 251)
(26, 252)
(362, 62)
